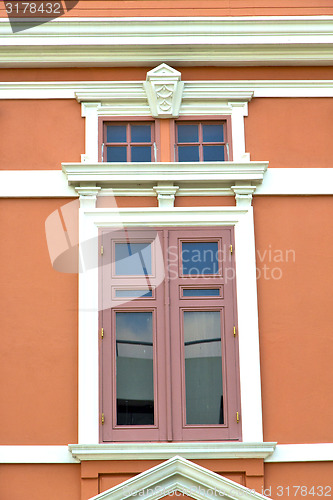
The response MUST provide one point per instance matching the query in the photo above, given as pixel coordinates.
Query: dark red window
(128, 142)
(169, 365)
(201, 141)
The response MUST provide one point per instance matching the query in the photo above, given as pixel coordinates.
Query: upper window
(201, 141)
(190, 140)
(128, 142)
(169, 354)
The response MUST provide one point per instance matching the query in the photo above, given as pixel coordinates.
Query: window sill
(164, 451)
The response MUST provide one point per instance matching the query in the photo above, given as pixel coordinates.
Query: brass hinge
(234, 331)
(231, 249)
(102, 418)
(102, 333)
(102, 250)
(237, 417)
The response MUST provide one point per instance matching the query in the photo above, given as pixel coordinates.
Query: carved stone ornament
(164, 91)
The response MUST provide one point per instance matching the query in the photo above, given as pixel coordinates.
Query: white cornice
(133, 92)
(109, 174)
(224, 41)
(158, 451)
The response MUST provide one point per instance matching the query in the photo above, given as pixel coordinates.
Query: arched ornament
(183, 476)
(164, 90)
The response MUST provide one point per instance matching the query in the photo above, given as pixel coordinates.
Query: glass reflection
(134, 368)
(203, 367)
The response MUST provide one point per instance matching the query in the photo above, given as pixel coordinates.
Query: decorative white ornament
(164, 91)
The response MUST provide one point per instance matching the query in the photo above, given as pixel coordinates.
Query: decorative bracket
(243, 195)
(166, 195)
(88, 196)
(164, 91)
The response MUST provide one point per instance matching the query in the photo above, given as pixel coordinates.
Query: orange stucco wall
(294, 242)
(52, 132)
(316, 475)
(40, 481)
(104, 8)
(98, 476)
(294, 132)
(38, 357)
(40, 134)
(188, 73)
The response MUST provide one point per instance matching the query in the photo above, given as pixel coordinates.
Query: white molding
(108, 174)
(276, 181)
(314, 452)
(158, 451)
(297, 181)
(179, 475)
(242, 219)
(25, 454)
(88, 367)
(272, 40)
(62, 454)
(133, 91)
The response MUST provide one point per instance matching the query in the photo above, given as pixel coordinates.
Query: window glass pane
(188, 153)
(133, 259)
(188, 133)
(203, 367)
(116, 153)
(116, 133)
(200, 257)
(212, 133)
(141, 153)
(134, 368)
(133, 293)
(140, 133)
(213, 153)
(201, 292)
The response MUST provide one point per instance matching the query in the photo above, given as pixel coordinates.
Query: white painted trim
(194, 90)
(34, 183)
(314, 452)
(158, 451)
(250, 382)
(179, 475)
(210, 172)
(276, 181)
(15, 454)
(88, 376)
(297, 181)
(140, 41)
(248, 329)
(58, 454)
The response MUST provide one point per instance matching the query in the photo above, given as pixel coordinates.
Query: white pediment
(163, 71)
(178, 474)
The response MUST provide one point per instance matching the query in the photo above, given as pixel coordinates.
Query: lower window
(169, 354)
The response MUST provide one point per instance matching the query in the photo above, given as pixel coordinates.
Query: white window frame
(239, 177)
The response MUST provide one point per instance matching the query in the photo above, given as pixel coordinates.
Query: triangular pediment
(178, 475)
(163, 70)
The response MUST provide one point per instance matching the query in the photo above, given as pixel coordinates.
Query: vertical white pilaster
(239, 111)
(248, 330)
(88, 321)
(89, 112)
